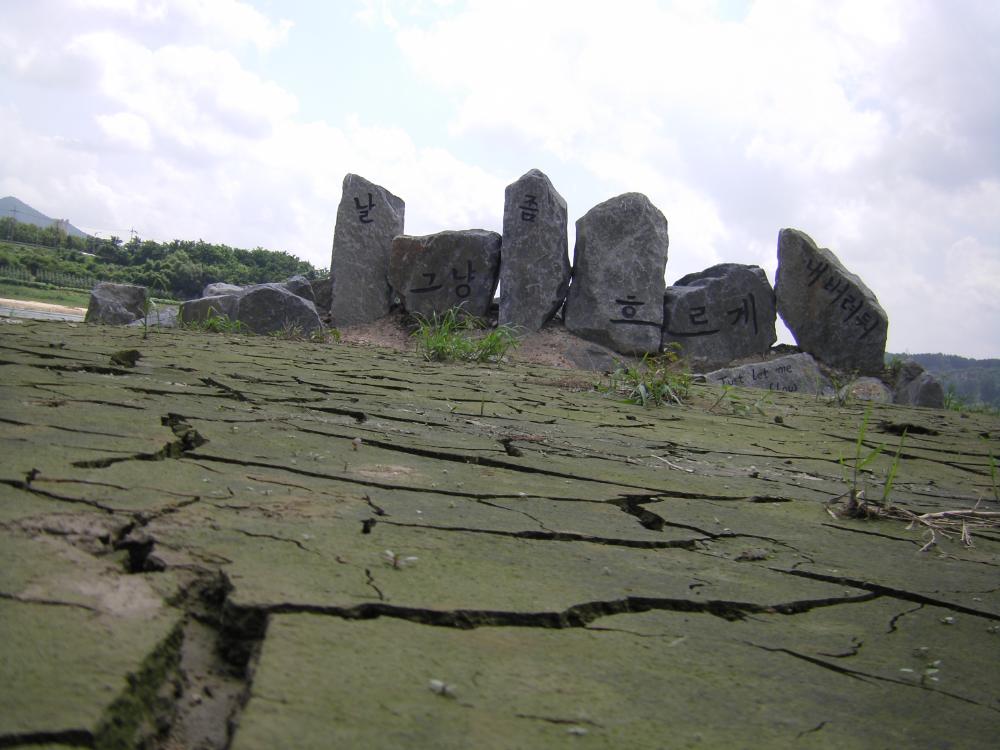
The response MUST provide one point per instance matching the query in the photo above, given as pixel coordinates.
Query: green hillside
(971, 381)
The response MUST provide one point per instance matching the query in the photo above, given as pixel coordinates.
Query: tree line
(179, 269)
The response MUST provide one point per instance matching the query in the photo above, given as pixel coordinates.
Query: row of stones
(614, 294)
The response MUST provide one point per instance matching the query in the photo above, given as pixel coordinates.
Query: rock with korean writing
(721, 314)
(436, 272)
(534, 266)
(616, 297)
(829, 310)
(368, 217)
(795, 373)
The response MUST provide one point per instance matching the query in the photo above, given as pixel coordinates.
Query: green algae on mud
(585, 570)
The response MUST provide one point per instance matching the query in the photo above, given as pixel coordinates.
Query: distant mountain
(974, 381)
(21, 211)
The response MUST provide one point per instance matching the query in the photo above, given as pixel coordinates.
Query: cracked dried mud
(252, 543)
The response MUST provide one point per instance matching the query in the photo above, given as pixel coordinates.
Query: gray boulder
(866, 389)
(220, 287)
(795, 373)
(724, 313)
(160, 316)
(436, 272)
(272, 307)
(368, 217)
(203, 308)
(116, 304)
(616, 297)
(917, 387)
(534, 266)
(829, 310)
(301, 286)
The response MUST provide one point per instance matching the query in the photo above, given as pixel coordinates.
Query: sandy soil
(22, 304)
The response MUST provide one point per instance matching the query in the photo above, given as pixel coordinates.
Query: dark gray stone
(795, 373)
(221, 287)
(368, 217)
(917, 387)
(436, 272)
(534, 265)
(203, 308)
(301, 286)
(160, 316)
(271, 307)
(116, 304)
(721, 314)
(616, 297)
(829, 310)
(321, 293)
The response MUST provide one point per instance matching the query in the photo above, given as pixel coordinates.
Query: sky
(872, 125)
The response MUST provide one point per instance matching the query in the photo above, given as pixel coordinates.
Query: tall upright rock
(368, 217)
(534, 266)
(616, 297)
(829, 310)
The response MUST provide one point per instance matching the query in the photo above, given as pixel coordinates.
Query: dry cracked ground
(252, 543)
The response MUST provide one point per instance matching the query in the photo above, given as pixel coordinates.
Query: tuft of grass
(741, 406)
(655, 380)
(940, 525)
(855, 502)
(455, 335)
(216, 323)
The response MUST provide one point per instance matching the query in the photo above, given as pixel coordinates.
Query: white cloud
(226, 21)
(127, 128)
(857, 121)
(869, 124)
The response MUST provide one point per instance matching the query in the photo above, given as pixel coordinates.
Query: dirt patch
(553, 346)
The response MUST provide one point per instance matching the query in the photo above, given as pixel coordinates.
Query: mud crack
(188, 440)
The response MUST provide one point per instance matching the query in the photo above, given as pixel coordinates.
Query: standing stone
(616, 298)
(116, 304)
(436, 272)
(829, 310)
(368, 217)
(534, 266)
(723, 313)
